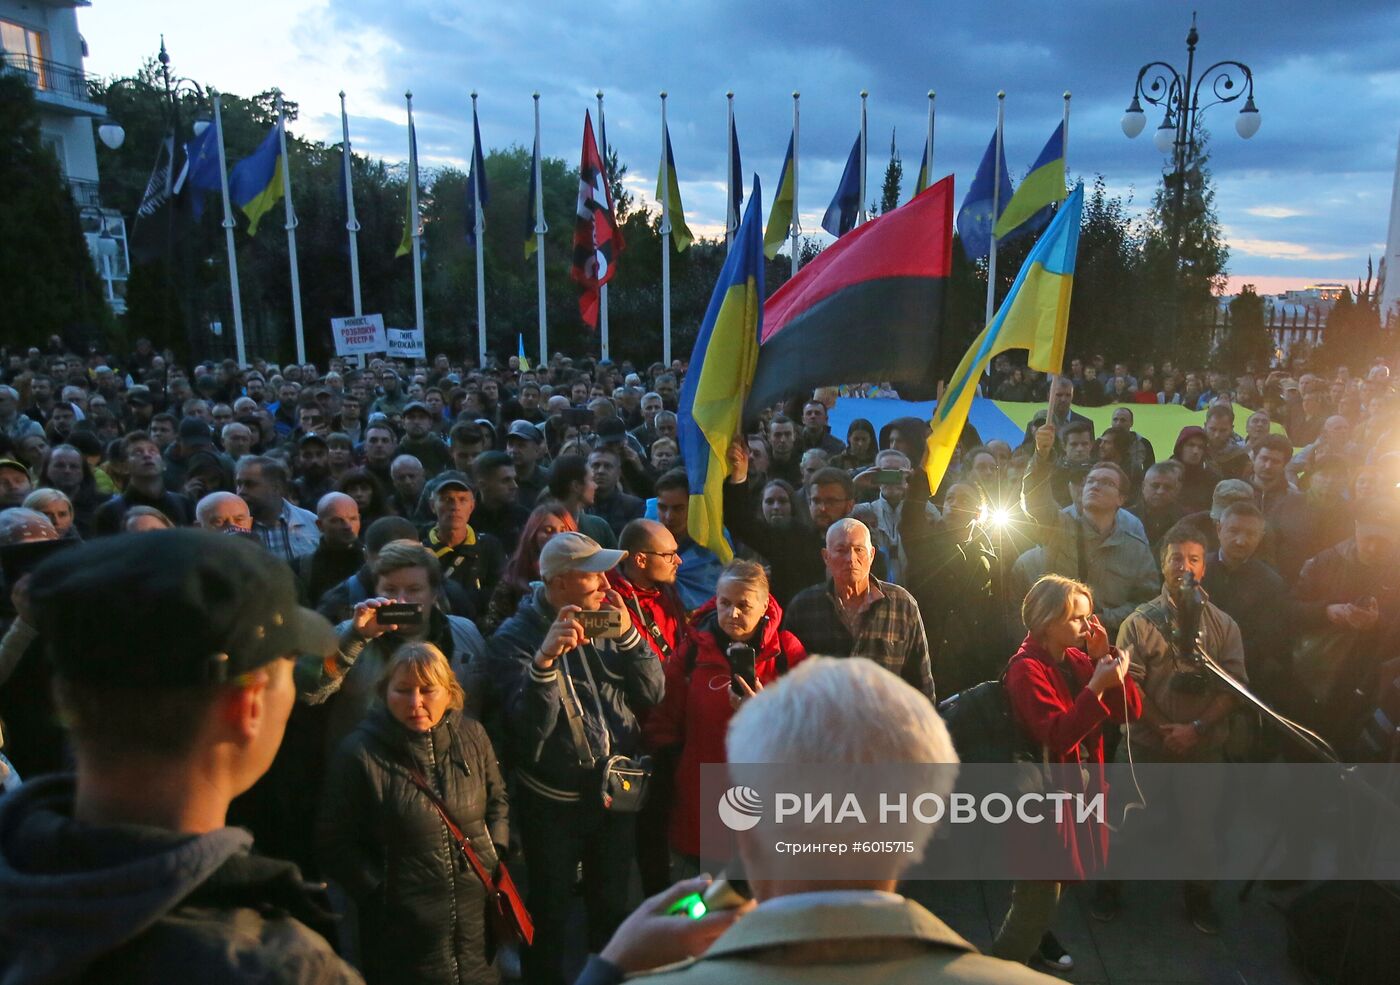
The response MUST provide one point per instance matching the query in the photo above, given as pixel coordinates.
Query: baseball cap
(573, 551)
(171, 608)
(1227, 493)
(414, 405)
(452, 479)
(524, 429)
(139, 395)
(10, 463)
(312, 438)
(193, 431)
(1377, 516)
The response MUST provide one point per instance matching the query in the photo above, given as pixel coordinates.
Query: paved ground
(1150, 943)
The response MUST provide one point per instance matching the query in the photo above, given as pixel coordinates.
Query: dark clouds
(1327, 76)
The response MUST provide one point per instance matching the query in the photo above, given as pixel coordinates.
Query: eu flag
(979, 213)
(476, 183)
(841, 214)
(721, 371)
(201, 168)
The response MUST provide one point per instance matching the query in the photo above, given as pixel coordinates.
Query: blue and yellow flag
(532, 208)
(520, 352)
(721, 372)
(1028, 209)
(924, 179)
(780, 215)
(1034, 316)
(410, 223)
(255, 183)
(670, 193)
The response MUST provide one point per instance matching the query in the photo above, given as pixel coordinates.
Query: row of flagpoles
(991, 211)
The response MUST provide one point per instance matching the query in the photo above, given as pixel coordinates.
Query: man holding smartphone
(571, 693)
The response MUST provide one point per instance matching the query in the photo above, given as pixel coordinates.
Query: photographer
(569, 702)
(1185, 716)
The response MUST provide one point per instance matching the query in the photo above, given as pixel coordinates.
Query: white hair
(847, 525)
(40, 498)
(900, 459)
(844, 712)
(206, 505)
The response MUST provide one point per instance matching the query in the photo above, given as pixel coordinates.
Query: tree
(47, 277)
(1184, 260)
(1103, 314)
(1246, 340)
(894, 175)
(1352, 336)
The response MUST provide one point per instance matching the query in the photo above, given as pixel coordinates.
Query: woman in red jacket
(1064, 684)
(700, 688)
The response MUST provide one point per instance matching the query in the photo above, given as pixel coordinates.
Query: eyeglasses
(673, 556)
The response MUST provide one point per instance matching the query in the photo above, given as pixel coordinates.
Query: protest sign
(359, 334)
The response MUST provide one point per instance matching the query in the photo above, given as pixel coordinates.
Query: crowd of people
(458, 527)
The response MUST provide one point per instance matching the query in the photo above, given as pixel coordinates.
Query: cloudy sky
(1305, 200)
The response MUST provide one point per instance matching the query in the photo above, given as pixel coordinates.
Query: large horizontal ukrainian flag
(1034, 316)
(721, 372)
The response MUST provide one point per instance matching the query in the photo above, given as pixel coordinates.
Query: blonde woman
(1064, 683)
(422, 910)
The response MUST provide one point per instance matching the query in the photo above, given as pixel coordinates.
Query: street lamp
(1178, 95)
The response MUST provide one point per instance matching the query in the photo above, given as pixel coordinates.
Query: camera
(399, 614)
(602, 624)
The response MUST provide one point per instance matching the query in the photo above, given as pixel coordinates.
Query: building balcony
(84, 193)
(57, 87)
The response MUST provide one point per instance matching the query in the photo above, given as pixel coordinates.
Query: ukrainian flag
(924, 179)
(671, 194)
(780, 216)
(255, 183)
(1042, 187)
(410, 224)
(1034, 316)
(721, 372)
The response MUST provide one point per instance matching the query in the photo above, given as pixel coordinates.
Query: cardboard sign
(405, 343)
(356, 335)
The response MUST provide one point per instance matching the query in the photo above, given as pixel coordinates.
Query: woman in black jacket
(422, 910)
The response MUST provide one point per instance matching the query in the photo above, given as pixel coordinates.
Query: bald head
(223, 513)
(338, 519)
(652, 554)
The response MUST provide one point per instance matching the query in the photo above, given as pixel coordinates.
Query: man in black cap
(127, 871)
(474, 561)
(525, 446)
(192, 436)
(421, 441)
(145, 487)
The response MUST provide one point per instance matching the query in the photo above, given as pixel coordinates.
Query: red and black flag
(869, 308)
(597, 240)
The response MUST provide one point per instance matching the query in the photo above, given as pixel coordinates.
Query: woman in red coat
(700, 698)
(1064, 684)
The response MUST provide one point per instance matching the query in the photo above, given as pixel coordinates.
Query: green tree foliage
(1104, 312)
(1352, 336)
(47, 278)
(1245, 341)
(894, 176)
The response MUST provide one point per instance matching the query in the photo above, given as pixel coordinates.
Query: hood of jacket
(1187, 433)
(71, 892)
(706, 620)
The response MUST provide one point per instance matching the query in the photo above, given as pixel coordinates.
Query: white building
(39, 40)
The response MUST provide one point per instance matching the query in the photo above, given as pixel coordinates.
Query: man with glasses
(855, 615)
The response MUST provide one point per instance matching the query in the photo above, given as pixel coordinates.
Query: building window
(25, 49)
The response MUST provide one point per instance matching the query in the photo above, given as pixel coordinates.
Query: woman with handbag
(1064, 684)
(734, 635)
(413, 822)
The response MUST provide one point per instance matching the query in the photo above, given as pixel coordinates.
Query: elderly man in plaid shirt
(855, 615)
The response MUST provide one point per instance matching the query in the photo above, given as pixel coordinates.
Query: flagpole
(1064, 150)
(666, 239)
(540, 230)
(228, 235)
(417, 223)
(862, 216)
(796, 228)
(478, 227)
(291, 231)
(603, 289)
(996, 212)
(928, 139)
(352, 225)
(731, 221)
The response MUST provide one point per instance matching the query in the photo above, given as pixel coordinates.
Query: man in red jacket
(646, 580)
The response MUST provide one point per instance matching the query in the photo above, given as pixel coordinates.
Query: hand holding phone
(742, 662)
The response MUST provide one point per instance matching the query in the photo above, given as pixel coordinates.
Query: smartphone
(399, 614)
(741, 667)
(889, 477)
(602, 624)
